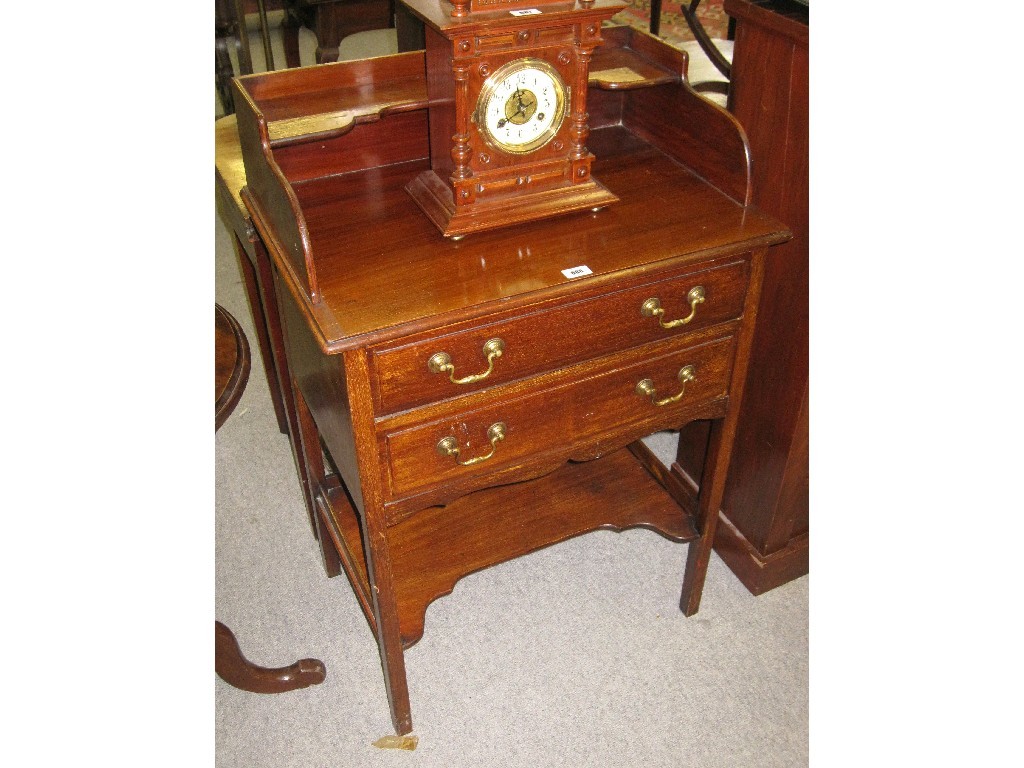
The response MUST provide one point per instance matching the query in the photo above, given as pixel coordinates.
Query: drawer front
(605, 406)
(487, 353)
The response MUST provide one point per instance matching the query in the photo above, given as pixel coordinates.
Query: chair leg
(655, 27)
(234, 669)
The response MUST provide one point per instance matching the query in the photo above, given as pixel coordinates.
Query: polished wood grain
(472, 186)
(596, 401)
(622, 62)
(673, 117)
(232, 363)
(614, 321)
(698, 130)
(290, 94)
(257, 277)
(369, 290)
(764, 536)
(236, 670)
(230, 179)
(390, 293)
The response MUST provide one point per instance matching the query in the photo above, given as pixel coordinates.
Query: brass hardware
(450, 447)
(441, 362)
(652, 308)
(646, 387)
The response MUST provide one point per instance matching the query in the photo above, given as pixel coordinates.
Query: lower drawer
(626, 397)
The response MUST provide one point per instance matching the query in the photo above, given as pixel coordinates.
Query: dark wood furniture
(764, 530)
(231, 30)
(484, 172)
(231, 364)
(236, 670)
(481, 399)
(230, 178)
(255, 269)
(700, 34)
(332, 21)
(231, 372)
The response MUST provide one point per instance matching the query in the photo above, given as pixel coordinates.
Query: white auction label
(577, 271)
(525, 12)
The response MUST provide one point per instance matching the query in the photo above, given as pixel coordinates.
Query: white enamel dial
(521, 106)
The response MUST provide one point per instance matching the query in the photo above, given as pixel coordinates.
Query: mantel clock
(507, 90)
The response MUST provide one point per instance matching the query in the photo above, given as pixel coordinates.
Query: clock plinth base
(435, 198)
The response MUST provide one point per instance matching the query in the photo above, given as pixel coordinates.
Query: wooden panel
(441, 94)
(627, 49)
(695, 132)
(269, 193)
(771, 101)
(322, 381)
(672, 116)
(764, 535)
(397, 138)
(314, 90)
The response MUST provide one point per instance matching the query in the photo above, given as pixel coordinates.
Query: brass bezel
(562, 95)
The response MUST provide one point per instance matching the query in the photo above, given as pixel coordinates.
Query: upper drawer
(488, 352)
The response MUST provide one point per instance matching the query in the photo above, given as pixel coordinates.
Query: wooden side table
(232, 364)
(231, 374)
(485, 398)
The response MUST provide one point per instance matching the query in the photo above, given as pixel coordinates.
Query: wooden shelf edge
(615, 492)
(326, 125)
(624, 62)
(629, 58)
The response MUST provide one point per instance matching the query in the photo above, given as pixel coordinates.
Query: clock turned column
(581, 157)
(461, 150)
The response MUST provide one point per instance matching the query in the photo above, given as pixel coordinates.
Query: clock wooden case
(507, 91)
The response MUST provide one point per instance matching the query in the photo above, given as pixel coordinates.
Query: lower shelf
(434, 548)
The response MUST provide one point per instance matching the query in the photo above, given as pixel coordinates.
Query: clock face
(521, 106)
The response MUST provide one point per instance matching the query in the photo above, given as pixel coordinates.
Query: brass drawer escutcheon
(652, 308)
(449, 447)
(441, 362)
(645, 388)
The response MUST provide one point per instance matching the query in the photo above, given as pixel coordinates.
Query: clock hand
(519, 98)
